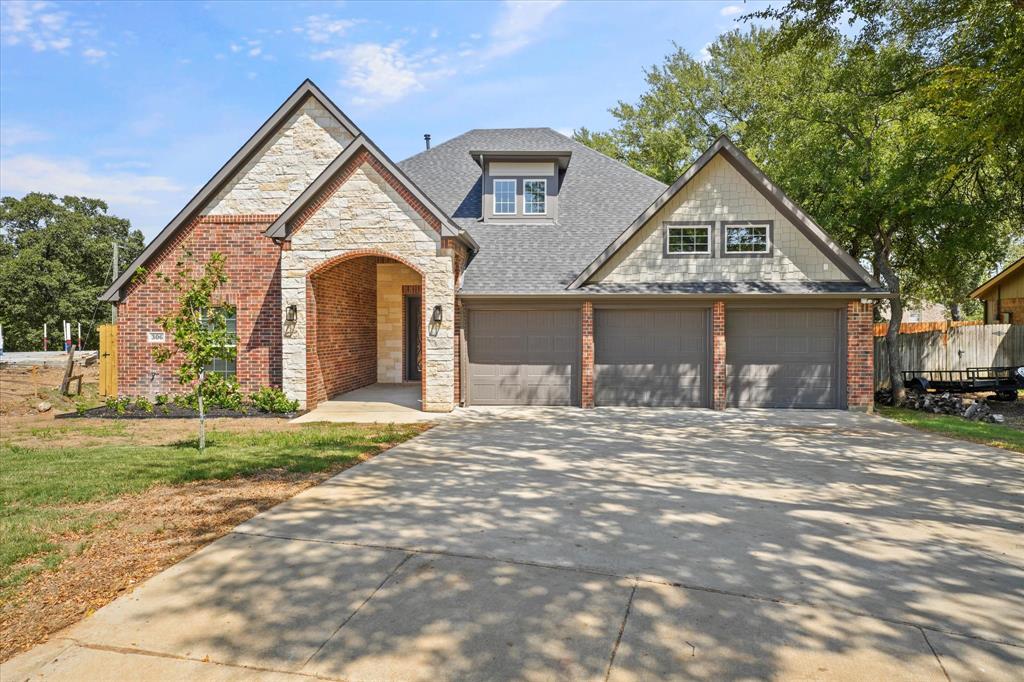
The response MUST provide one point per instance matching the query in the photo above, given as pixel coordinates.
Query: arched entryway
(365, 329)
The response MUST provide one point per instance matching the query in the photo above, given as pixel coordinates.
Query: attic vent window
(504, 197)
(695, 239)
(534, 197)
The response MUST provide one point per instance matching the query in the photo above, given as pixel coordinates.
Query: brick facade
(860, 356)
(587, 371)
(252, 263)
(341, 337)
(1014, 306)
(718, 374)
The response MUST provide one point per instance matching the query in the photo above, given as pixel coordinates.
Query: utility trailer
(1003, 381)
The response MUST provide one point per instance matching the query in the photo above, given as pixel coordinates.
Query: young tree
(198, 328)
(55, 260)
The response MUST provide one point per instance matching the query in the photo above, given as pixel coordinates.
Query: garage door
(523, 357)
(651, 357)
(782, 358)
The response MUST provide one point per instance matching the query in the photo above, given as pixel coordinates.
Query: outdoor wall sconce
(291, 313)
(436, 317)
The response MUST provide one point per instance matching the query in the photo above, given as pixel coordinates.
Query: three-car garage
(655, 355)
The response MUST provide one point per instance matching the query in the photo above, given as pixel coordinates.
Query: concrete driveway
(604, 544)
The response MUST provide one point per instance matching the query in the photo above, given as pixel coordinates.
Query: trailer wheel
(1007, 396)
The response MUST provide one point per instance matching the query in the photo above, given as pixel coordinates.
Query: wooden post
(69, 369)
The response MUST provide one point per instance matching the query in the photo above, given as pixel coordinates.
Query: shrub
(272, 400)
(219, 391)
(163, 399)
(143, 404)
(118, 405)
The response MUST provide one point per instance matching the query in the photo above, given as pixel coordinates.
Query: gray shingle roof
(599, 197)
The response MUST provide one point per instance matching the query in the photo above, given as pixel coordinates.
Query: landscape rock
(43, 407)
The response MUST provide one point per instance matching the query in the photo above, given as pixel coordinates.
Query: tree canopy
(55, 260)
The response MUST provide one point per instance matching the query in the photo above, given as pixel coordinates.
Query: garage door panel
(523, 357)
(654, 357)
(783, 358)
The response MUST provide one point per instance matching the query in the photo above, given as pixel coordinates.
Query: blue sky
(140, 103)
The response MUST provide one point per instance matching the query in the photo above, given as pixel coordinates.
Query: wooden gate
(108, 359)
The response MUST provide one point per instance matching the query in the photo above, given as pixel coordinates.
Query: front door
(413, 322)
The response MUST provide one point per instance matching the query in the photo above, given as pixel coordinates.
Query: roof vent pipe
(426, 138)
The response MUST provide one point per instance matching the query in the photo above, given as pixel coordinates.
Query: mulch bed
(171, 412)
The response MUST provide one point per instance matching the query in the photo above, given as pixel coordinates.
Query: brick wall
(341, 331)
(587, 371)
(1014, 306)
(252, 262)
(718, 375)
(860, 358)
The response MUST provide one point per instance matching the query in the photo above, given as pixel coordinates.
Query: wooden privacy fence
(988, 345)
(915, 327)
(108, 359)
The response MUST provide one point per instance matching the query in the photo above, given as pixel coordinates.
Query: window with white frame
(226, 367)
(504, 197)
(535, 194)
(688, 239)
(752, 238)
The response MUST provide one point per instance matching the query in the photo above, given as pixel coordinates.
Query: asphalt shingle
(598, 199)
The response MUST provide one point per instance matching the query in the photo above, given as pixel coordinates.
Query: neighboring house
(511, 266)
(1003, 295)
(918, 311)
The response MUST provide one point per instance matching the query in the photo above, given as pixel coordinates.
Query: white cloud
(730, 10)
(45, 26)
(16, 134)
(381, 73)
(705, 53)
(32, 173)
(518, 25)
(36, 24)
(384, 73)
(320, 28)
(255, 52)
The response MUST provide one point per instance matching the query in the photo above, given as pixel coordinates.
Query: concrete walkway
(602, 544)
(378, 403)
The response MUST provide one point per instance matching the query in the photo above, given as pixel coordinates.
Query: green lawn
(41, 484)
(996, 435)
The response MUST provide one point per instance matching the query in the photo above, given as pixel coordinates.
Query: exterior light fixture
(291, 313)
(436, 317)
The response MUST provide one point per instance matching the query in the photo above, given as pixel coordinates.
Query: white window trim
(668, 240)
(542, 180)
(767, 239)
(494, 197)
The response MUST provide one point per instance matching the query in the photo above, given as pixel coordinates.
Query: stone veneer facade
(392, 279)
(362, 213)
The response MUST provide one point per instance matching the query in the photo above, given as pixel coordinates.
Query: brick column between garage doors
(860, 356)
(718, 396)
(587, 371)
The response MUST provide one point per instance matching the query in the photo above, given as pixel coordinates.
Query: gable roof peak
(306, 89)
(756, 177)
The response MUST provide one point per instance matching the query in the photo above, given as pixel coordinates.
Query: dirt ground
(22, 388)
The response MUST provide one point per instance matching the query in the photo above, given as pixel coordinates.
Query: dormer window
(504, 197)
(535, 194)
